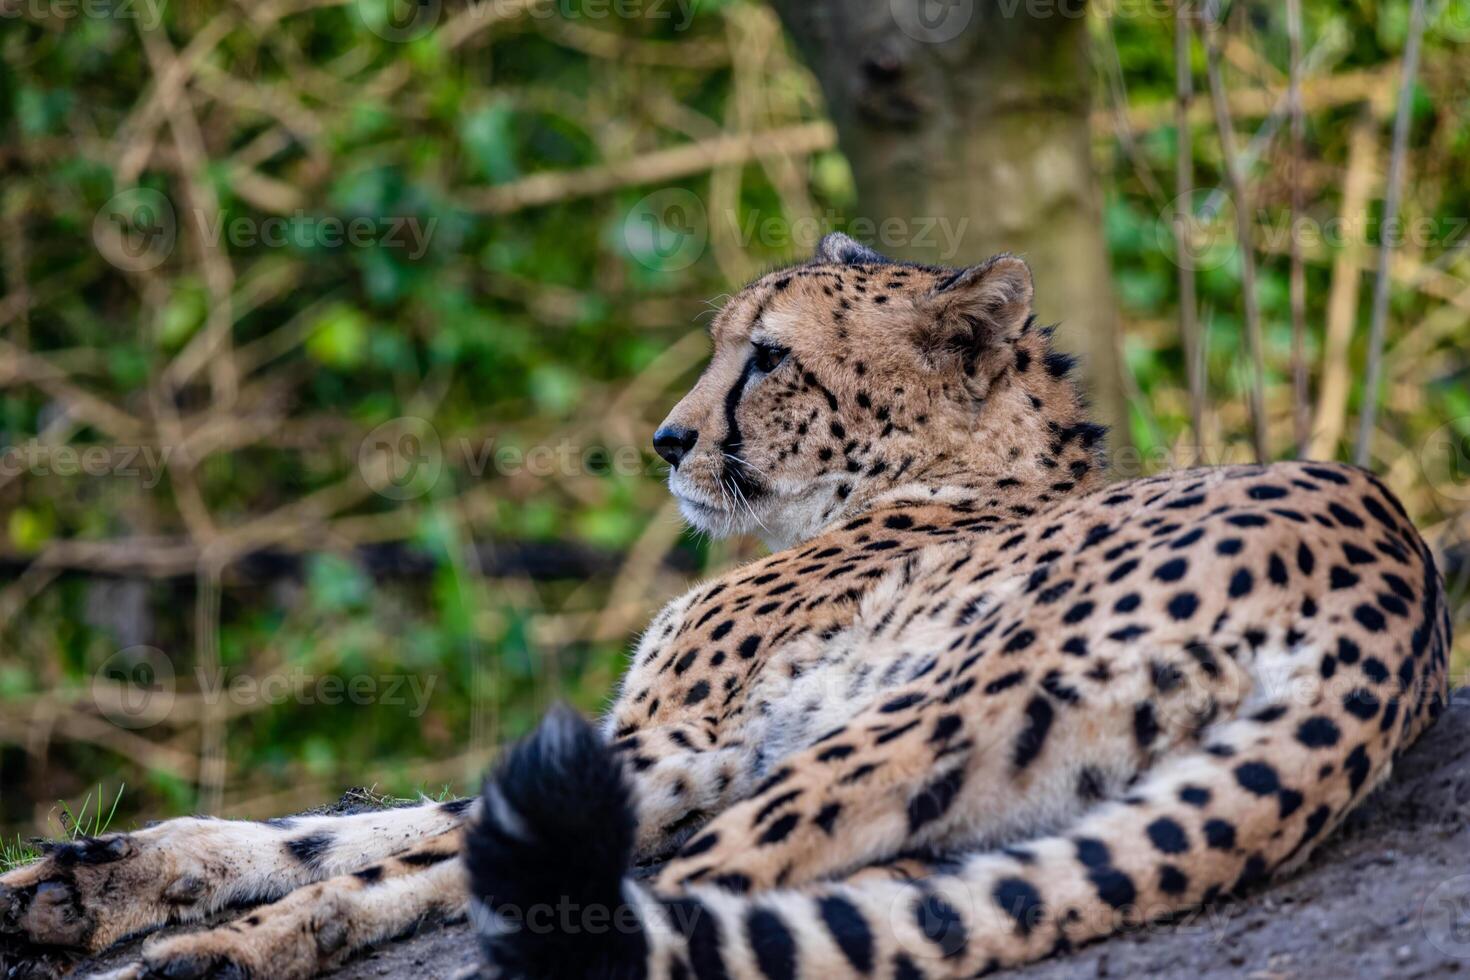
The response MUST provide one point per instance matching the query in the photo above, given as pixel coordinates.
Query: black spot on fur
(1172, 881)
(1318, 733)
(941, 924)
(1021, 901)
(935, 799)
(311, 849)
(1258, 778)
(1168, 836)
(779, 829)
(1029, 743)
(826, 818)
(1196, 796)
(1145, 725)
(1220, 835)
(1357, 766)
(1113, 886)
(425, 859)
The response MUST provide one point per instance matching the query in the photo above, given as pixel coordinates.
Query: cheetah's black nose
(674, 443)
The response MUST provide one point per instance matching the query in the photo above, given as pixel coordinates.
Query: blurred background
(332, 334)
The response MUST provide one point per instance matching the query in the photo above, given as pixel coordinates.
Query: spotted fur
(977, 707)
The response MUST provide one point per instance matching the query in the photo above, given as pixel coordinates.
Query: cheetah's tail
(547, 859)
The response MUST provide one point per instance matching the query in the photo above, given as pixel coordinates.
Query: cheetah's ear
(976, 312)
(837, 248)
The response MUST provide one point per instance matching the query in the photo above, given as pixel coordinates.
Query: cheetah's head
(851, 375)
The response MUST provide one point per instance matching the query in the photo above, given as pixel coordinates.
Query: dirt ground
(1388, 896)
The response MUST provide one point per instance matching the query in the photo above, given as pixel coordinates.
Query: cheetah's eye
(768, 357)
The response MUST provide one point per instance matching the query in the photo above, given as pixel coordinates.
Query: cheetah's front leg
(319, 927)
(681, 778)
(87, 894)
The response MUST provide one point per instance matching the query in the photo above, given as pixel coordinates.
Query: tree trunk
(975, 113)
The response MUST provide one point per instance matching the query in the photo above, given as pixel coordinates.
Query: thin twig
(1194, 363)
(1301, 400)
(1393, 197)
(1118, 89)
(213, 757)
(1238, 190)
(1342, 297)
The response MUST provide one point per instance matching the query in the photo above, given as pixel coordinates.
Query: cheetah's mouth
(692, 506)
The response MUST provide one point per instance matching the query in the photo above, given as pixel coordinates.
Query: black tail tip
(547, 858)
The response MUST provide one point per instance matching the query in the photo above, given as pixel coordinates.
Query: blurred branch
(77, 726)
(19, 366)
(691, 53)
(1342, 302)
(1318, 95)
(656, 167)
(1244, 229)
(1404, 118)
(212, 345)
(1194, 353)
(1118, 92)
(1301, 414)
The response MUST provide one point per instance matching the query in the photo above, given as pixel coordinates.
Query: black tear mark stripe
(732, 471)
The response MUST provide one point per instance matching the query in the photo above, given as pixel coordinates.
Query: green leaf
(486, 135)
(184, 313)
(339, 337)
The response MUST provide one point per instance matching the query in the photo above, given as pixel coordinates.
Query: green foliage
(386, 221)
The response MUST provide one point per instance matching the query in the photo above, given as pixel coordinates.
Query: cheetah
(978, 706)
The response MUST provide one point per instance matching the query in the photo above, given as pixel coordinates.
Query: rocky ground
(1388, 896)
